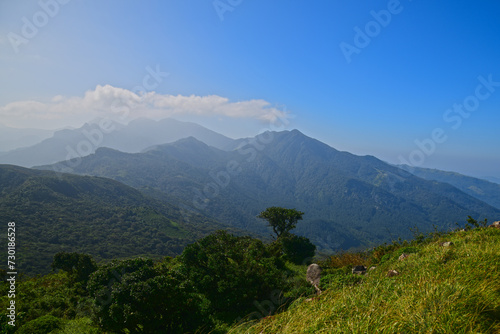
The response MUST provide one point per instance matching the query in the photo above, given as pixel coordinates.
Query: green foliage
(136, 296)
(386, 258)
(91, 215)
(54, 294)
(472, 223)
(281, 220)
(79, 266)
(43, 325)
(232, 272)
(439, 290)
(223, 278)
(298, 250)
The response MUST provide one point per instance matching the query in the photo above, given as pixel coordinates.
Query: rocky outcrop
(495, 224)
(313, 276)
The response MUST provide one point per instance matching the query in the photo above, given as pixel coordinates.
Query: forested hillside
(351, 201)
(57, 212)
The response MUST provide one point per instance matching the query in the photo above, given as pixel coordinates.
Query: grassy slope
(439, 290)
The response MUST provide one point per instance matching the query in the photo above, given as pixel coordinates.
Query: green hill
(438, 290)
(99, 216)
(350, 201)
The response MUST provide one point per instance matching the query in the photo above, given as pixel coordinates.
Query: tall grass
(440, 289)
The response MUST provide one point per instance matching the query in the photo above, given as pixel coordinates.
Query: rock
(313, 276)
(359, 270)
(372, 268)
(403, 256)
(495, 224)
(446, 244)
(392, 273)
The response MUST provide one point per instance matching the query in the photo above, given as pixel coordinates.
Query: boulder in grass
(392, 273)
(359, 270)
(403, 256)
(446, 244)
(313, 276)
(495, 224)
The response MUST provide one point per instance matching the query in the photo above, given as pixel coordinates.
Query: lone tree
(281, 220)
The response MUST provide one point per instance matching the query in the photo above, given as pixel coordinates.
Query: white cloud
(124, 105)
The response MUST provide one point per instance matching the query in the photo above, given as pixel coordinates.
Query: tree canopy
(281, 220)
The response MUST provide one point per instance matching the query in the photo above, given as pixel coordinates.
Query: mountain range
(138, 135)
(12, 138)
(486, 191)
(349, 201)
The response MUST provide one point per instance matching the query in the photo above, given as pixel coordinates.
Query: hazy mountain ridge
(483, 190)
(349, 201)
(12, 138)
(138, 135)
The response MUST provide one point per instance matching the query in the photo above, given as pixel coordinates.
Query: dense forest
(97, 216)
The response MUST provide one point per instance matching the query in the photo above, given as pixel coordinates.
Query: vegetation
(96, 216)
(281, 220)
(438, 290)
(352, 201)
(289, 246)
(226, 283)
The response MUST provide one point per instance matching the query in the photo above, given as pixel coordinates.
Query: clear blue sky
(305, 59)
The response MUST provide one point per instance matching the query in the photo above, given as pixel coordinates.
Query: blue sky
(235, 66)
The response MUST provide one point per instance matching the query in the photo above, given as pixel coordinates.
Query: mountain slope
(102, 217)
(138, 135)
(485, 191)
(438, 290)
(349, 201)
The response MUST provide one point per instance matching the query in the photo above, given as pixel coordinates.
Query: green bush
(137, 296)
(232, 272)
(42, 325)
(298, 250)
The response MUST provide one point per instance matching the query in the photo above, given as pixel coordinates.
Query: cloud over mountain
(124, 105)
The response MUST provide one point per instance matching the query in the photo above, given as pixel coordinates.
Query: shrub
(42, 325)
(232, 272)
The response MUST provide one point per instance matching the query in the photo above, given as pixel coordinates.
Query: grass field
(439, 289)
